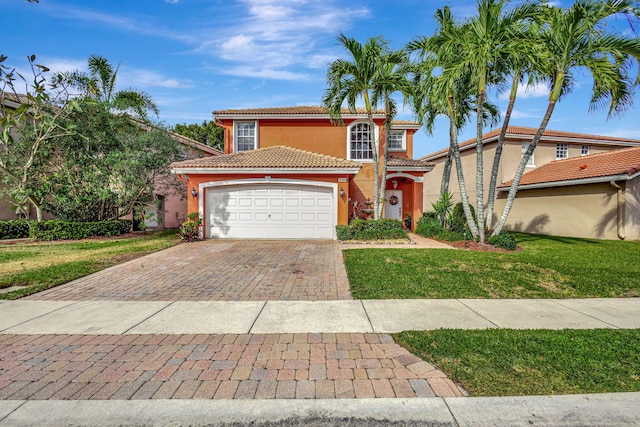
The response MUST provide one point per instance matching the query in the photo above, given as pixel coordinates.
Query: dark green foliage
(190, 229)
(207, 133)
(429, 226)
(68, 230)
(363, 229)
(458, 222)
(503, 240)
(430, 214)
(449, 236)
(14, 229)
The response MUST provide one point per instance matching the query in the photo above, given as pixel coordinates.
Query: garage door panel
(285, 211)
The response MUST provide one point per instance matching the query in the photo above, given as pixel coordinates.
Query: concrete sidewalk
(368, 316)
(573, 410)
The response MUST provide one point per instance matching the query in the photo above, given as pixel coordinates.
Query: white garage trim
(202, 191)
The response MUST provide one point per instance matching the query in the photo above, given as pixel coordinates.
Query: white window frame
(585, 150)
(236, 128)
(403, 139)
(373, 142)
(530, 163)
(562, 151)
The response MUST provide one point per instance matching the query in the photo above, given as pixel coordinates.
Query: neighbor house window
(562, 151)
(245, 136)
(525, 146)
(360, 141)
(585, 150)
(396, 140)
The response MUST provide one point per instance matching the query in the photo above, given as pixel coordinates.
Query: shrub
(503, 240)
(428, 227)
(369, 229)
(450, 236)
(14, 229)
(458, 221)
(191, 229)
(430, 214)
(69, 230)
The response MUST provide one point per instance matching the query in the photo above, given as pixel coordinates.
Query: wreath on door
(393, 200)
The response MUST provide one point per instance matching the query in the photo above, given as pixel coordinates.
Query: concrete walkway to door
(219, 270)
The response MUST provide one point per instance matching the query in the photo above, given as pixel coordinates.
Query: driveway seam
(585, 314)
(149, 317)
(455, 420)
(480, 315)
(42, 315)
(14, 410)
(367, 314)
(257, 317)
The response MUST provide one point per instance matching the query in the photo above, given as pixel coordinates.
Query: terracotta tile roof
(528, 133)
(625, 161)
(399, 162)
(304, 110)
(289, 111)
(279, 157)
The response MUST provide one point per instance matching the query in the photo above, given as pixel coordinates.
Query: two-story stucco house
(289, 172)
(576, 185)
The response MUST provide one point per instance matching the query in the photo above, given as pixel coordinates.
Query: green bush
(503, 240)
(450, 236)
(14, 229)
(430, 215)
(458, 221)
(69, 230)
(191, 229)
(428, 227)
(369, 229)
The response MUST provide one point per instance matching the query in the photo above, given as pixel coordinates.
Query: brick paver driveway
(219, 270)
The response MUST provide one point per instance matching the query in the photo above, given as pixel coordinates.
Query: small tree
(33, 114)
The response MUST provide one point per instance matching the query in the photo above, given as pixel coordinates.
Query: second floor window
(245, 136)
(525, 146)
(360, 142)
(396, 140)
(585, 150)
(562, 151)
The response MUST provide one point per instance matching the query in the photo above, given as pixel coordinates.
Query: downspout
(621, 202)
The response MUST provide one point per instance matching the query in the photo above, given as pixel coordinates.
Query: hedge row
(367, 229)
(14, 229)
(67, 230)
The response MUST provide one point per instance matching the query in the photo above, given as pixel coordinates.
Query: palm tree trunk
(374, 158)
(460, 174)
(383, 178)
(480, 170)
(520, 171)
(491, 199)
(446, 173)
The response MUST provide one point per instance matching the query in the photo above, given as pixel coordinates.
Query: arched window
(361, 138)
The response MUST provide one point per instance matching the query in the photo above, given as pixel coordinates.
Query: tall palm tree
(486, 39)
(368, 75)
(577, 38)
(100, 85)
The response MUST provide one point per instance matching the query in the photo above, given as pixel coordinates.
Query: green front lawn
(548, 267)
(40, 266)
(532, 362)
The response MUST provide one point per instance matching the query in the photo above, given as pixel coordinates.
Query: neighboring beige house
(565, 205)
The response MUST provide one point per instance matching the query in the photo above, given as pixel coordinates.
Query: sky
(197, 56)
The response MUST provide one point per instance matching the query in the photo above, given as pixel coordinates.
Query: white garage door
(270, 211)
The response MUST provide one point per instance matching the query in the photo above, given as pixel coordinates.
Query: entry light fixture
(341, 192)
(194, 193)
(394, 183)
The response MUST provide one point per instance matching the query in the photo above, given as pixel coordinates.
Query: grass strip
(548, 267)
(42, 266)
(503, 362)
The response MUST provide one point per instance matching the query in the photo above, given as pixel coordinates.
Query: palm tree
(486, 40)
(370, 74)
(576, 38)
(100, 85)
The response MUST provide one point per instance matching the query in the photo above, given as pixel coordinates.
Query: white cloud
(263, 73)
(536, 90)
(517, 114)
